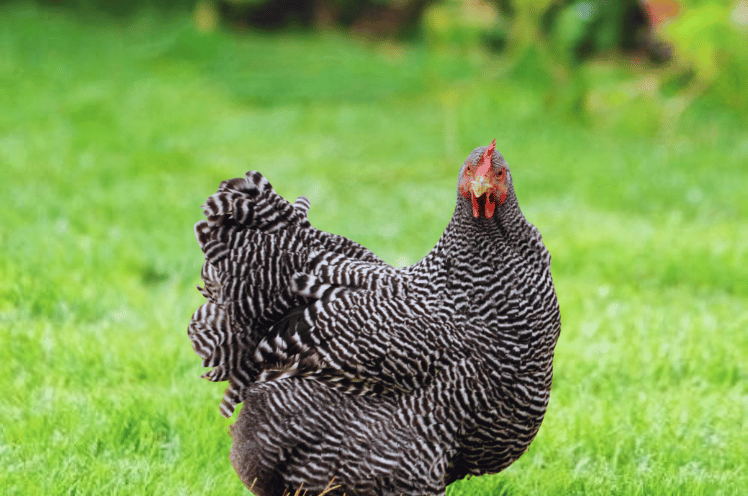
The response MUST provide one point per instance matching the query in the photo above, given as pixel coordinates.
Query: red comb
(485, 160)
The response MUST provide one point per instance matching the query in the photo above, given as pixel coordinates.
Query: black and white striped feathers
(390, 380)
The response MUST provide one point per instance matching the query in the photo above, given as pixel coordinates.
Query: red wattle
(490, 206)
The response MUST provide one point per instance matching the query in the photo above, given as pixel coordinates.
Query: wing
(255, 244)
(362, 331)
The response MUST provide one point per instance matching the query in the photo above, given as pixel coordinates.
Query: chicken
(391, 381)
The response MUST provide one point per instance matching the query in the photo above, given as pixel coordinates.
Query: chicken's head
(483, 183)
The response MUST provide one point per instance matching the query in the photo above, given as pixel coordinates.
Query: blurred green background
(625, 126)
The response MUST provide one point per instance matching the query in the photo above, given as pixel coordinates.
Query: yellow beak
(479, 185)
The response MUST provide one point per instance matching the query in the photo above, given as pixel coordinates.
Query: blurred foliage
(712, 41)
(122, 8)
(465, 23)
(578, 29)
(374, 18)
(664, 53)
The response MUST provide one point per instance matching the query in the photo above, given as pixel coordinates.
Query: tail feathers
(251, 201)
(255, 243)
(227, 352)
(208, 329)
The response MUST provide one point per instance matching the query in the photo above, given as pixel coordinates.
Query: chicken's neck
(484, 269)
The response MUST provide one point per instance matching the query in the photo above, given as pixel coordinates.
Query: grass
(112, 134)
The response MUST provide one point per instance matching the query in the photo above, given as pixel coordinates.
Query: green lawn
(112, 134)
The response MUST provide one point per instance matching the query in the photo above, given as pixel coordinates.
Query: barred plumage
(391, 380)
